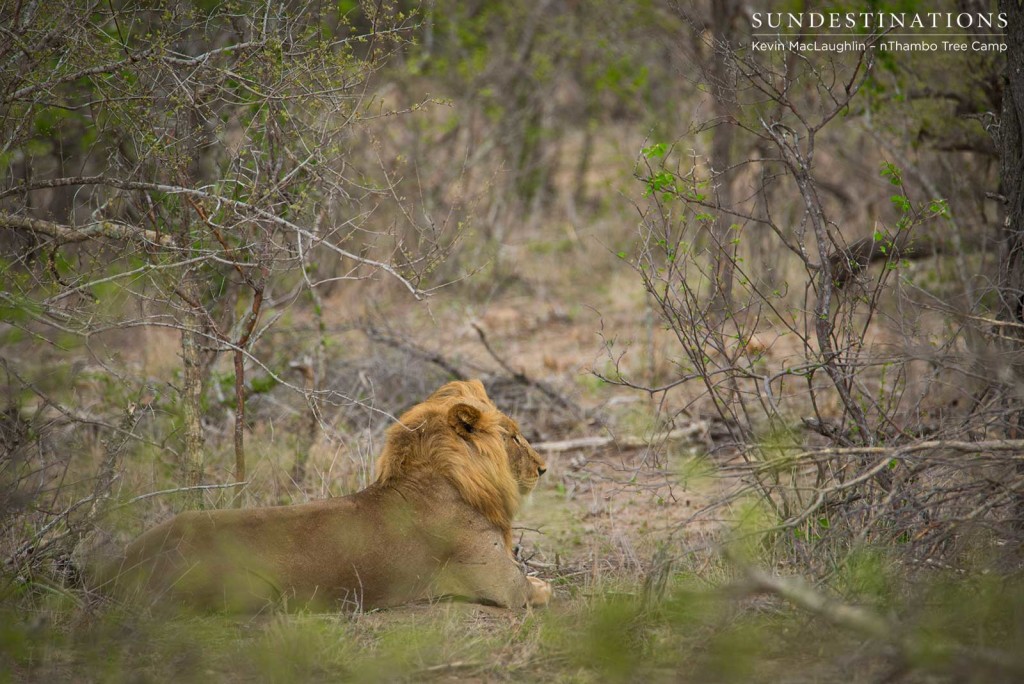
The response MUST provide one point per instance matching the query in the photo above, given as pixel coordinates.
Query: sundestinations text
(879, 20)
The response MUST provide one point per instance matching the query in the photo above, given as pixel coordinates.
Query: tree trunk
(723, 89)
(1011, 160)
(1011, 143)
(239, 425)
(192, 402)
(311, 371)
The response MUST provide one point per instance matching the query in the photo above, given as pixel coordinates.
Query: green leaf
(939, 207)
(901, 203)
(655, 150)
(892, 173)
(663, 181)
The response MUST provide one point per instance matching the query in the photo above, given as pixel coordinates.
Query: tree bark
(239, 358)
(1011, 168)
(1011, 143)
(192, 459)
(723, 89)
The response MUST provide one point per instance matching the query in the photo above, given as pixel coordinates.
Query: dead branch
(807, 598)
(523, 379)
(870, 624)
(1012, 449)
(178, 490)
(388, 338)
(574, 444)
(29, 546)
(693, 431)
(450, 667)
(68, 234)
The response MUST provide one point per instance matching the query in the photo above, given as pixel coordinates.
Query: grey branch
(66, 234)
(691, 432)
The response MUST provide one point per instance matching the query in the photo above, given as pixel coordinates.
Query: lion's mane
(478, 466)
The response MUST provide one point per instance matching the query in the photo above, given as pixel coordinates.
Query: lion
(436, 523)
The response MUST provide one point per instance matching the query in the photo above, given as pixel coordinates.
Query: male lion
(437, 522)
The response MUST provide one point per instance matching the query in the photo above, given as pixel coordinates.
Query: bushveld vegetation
(761, 312)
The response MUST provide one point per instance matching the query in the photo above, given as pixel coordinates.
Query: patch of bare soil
(608, 511)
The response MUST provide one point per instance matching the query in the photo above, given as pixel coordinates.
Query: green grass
(693, 632)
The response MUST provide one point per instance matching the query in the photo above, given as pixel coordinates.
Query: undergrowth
(947, 626)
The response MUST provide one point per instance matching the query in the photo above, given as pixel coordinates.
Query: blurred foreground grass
(951, 628)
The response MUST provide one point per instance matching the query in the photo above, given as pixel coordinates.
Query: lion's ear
(464, 417)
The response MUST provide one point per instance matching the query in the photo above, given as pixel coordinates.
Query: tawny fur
(436, 522)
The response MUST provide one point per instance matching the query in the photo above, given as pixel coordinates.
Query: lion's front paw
(540, 591)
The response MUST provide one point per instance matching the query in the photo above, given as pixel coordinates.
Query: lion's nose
(541, 470)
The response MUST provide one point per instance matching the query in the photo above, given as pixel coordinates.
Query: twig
(448, 667)
(74, 416)
(1002, 445)
(238, 206)
(27, 547)
(176, 490)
